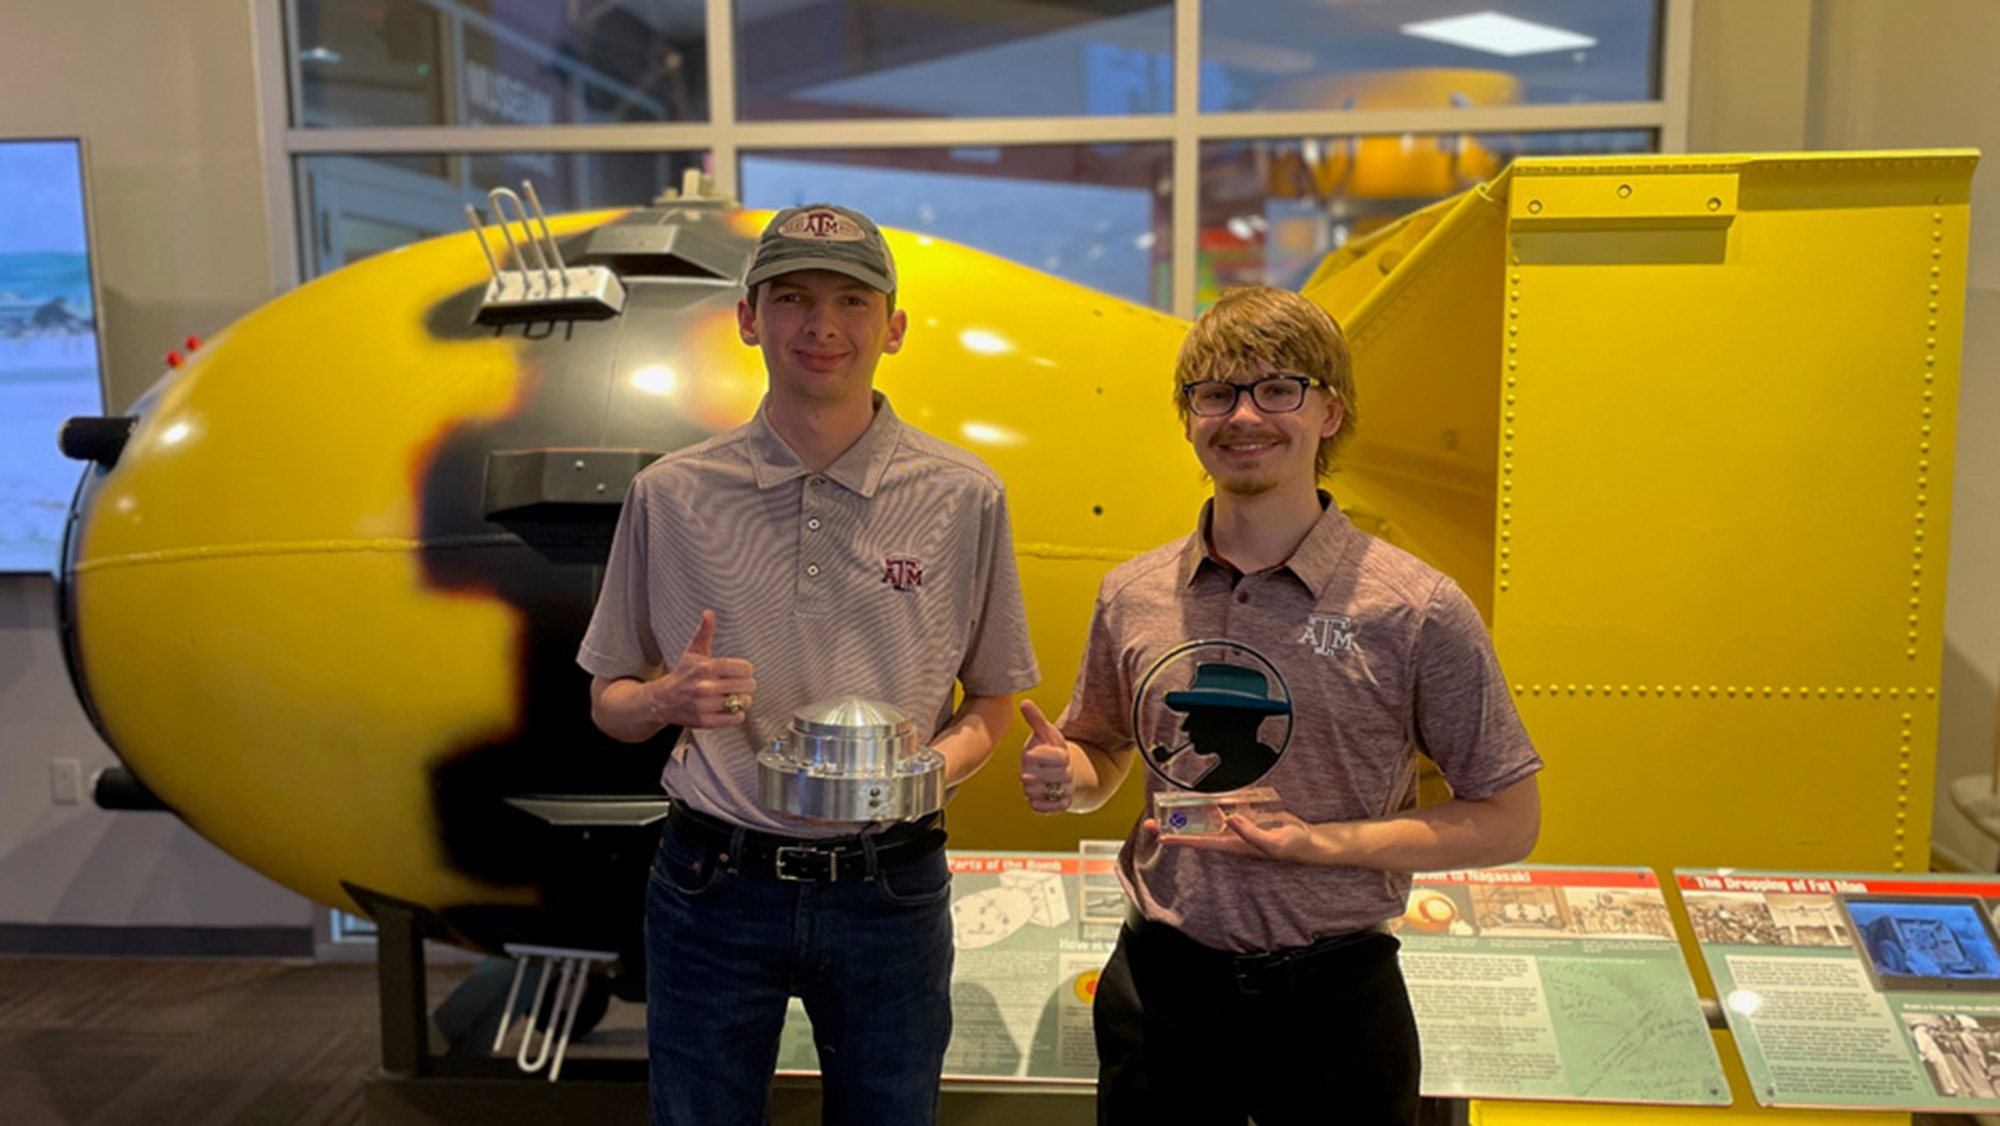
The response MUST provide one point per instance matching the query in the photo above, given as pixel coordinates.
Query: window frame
(724, 136)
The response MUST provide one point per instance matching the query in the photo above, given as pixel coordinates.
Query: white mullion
(1472, 119)
(290, 62)
(947, 132)
(1187, 138)
(721, 41)
(1676, 73)
(454, 81)
(632, 137)
(277, 76)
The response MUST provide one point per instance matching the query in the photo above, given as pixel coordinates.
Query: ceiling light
(1498, 34)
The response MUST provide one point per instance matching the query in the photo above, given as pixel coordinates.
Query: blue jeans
(871, 959)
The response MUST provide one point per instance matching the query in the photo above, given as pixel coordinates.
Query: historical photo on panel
(1738, 918)
(1961, 1052)
(1619, 913)
(1437, 909)
(1519, 909)
(1807, 920)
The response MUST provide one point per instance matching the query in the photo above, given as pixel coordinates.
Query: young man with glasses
(1255, 975)
(824, 549)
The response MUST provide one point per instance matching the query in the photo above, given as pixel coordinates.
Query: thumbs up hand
(1046, 771)
(702, 690)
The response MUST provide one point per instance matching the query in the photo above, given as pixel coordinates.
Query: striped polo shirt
(890, 576)
(1320, 678)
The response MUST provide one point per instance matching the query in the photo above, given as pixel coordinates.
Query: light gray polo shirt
(1344, 662)
(890, 576)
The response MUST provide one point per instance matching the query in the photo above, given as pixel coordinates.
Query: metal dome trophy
(850, 759)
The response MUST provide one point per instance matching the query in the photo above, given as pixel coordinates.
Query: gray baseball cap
(821, 236)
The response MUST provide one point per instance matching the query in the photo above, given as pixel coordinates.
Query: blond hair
(1261, 328)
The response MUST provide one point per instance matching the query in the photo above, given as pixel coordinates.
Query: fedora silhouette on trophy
(1223, 708)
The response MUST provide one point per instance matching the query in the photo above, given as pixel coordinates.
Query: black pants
(1194, 1036)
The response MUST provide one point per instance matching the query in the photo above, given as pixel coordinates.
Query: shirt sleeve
(1000, 659)
(620, 641)
(1100, 706)
(1465, 716)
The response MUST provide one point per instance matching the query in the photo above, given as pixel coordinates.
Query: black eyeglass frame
(1305, 384)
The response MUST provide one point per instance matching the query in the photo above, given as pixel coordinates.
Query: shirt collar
(1314, 562)
(1196, 556)
(859, 469)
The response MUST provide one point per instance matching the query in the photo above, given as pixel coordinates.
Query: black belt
(809, 859)
(1252, 968)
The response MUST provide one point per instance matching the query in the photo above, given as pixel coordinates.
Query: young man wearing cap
(1255, 976)
(825, 549)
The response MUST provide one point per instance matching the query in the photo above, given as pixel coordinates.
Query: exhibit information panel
(1560, 984)
(1528, 982)
(1856, 991)
(1034, 930)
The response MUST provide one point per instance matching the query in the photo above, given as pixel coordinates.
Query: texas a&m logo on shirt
(1329, 634)
(903, 572)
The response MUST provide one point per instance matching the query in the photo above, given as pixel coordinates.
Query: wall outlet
(66, 781)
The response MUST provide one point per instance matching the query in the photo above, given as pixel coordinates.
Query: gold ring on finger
(733, 704)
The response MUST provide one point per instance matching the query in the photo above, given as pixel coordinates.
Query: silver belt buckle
(790, 858)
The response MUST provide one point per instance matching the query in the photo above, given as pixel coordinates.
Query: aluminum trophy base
(916, 790)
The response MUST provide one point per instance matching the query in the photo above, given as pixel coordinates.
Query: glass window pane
(800, 59)
(498, 62)
(1098, 215)
(1425, 54)
(1271, 209)
(355, 206)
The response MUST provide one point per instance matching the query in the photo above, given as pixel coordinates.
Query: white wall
(1914, 74)
(165, 96)
(1909, 74)
(1881, 74)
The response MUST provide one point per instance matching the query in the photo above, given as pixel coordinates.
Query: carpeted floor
(137, 1042)
(124, 1042)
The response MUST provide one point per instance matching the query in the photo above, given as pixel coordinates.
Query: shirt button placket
(1238, 597)
(808, 586)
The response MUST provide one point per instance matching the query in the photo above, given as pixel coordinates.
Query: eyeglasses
(1273, 394)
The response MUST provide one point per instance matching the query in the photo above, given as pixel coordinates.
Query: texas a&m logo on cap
(823, 223)
(903, 572)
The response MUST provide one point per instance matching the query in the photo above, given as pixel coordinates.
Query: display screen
(1926, 942)
(49, 361)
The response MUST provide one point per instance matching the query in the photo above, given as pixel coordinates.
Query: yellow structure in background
(1390, 166)
(1683, 426)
